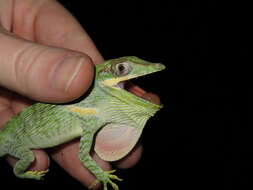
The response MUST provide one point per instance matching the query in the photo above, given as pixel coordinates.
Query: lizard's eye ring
(122, 69)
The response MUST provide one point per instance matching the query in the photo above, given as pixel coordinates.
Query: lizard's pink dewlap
(114, 141)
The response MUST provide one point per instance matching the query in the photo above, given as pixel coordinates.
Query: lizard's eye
(122, 69)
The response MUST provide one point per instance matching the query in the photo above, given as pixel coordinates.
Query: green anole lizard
(110, 113)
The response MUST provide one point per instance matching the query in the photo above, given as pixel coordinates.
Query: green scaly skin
(46, 125)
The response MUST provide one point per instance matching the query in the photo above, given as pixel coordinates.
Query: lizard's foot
(35, 174)
(105, 179)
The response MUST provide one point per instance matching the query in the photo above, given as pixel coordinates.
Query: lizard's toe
(35, 174)
(106, 179)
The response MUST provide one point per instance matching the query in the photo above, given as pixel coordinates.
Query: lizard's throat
(138, 104)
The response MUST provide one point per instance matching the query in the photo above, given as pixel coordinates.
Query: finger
(151, 97)
(131, 159)
(18, 103)
(142, 93)
(40, 163)
(67, 157)
(5, 112)
(51, 24)
(41, 72)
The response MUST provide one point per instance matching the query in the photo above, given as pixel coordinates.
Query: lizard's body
(122, 114)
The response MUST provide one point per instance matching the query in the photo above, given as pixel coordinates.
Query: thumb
(43, 73)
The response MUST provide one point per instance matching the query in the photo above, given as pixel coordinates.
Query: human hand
(36, 36)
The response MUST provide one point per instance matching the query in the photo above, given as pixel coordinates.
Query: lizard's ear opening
(114, 141)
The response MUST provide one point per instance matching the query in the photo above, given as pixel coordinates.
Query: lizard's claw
(110, 171)
(36, 174)
(113, 176)
(107, 179)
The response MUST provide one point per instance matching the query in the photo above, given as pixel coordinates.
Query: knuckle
(23, 61)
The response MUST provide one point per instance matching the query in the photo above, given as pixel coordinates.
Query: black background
(203, 137)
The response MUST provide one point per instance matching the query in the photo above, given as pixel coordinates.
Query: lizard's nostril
(159, 66)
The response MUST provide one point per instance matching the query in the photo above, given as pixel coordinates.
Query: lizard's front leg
(84, 155)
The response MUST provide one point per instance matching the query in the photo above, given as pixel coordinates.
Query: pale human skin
(35, 37)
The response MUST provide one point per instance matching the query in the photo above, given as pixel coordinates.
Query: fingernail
(65, 72)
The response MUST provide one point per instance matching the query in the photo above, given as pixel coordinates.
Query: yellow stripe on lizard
(114, 81)
(83, 111)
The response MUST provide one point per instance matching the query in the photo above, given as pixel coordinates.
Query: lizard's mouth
(130, 87)
(124, 83)
(137, 91)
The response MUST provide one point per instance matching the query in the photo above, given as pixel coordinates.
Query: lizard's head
(117, 139)
(114, 73)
